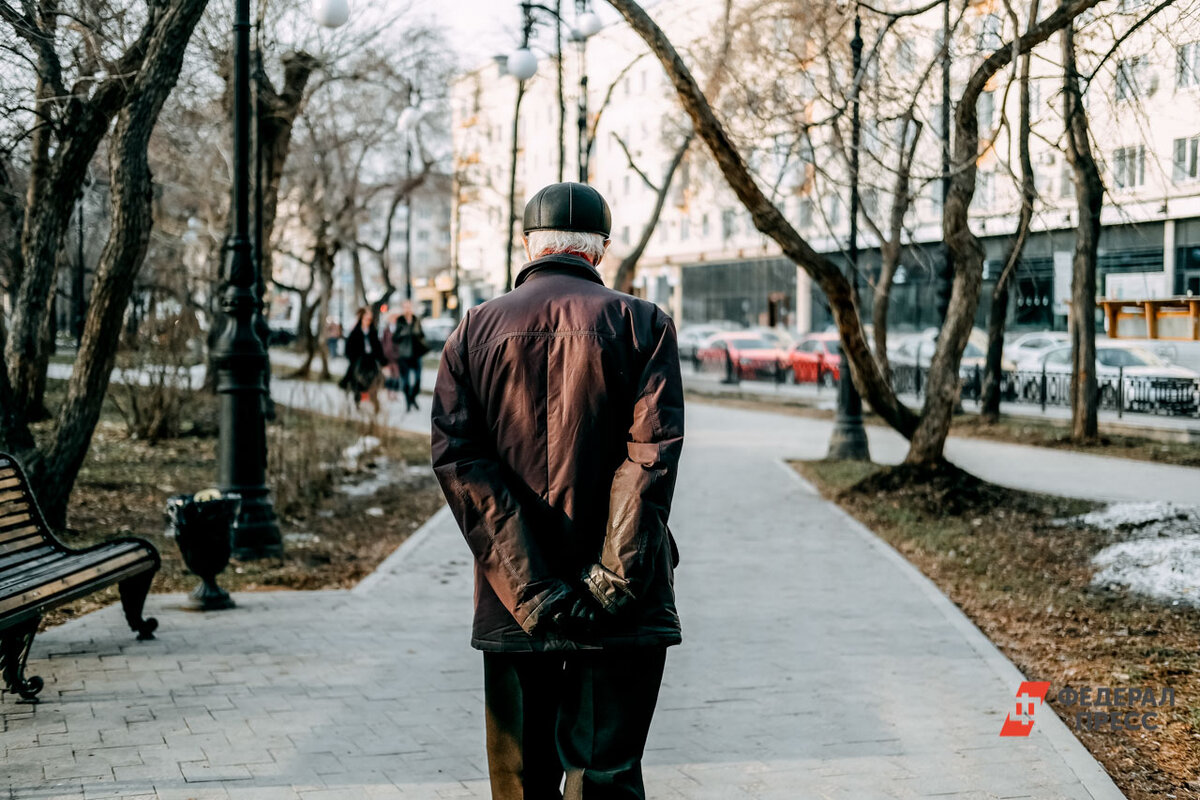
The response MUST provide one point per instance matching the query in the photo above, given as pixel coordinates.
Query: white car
(1144, 381)
(1029, 344)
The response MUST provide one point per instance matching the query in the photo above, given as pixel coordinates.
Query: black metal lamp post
(239, 353)
(587, 25)
(849, 439)
(522, 65)
(406, 124)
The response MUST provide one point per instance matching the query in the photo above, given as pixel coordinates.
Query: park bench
(38, 572)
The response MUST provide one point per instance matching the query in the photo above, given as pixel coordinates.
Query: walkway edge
(1085, 766)
(393, 563)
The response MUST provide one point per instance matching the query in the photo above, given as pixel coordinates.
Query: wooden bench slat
(8, 483)
(20, 533)
(17, 559)
(14, 519)
(19, 544)
(13, 564)
(9, 495)
(31, 592)
(62, 563)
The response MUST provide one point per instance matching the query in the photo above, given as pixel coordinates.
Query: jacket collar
(565, 262)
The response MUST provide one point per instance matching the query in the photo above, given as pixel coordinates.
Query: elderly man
(557, 429)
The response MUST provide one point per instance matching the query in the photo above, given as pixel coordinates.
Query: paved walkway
(817, 664)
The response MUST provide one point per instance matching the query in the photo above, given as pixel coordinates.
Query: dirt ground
(1025, 582)
(332, 538)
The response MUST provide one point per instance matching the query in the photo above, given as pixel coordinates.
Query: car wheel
(826, 379)
(1108, 396)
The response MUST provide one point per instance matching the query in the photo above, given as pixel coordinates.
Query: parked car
(1028, 344)
(916, 353)
(1129, 376)
(753, 356)
(779, 336)
(817, 358)
(438, 330)
(692, 336)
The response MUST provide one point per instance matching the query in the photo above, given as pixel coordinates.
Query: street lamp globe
(522, 64)
(331, 13)
(588, 24)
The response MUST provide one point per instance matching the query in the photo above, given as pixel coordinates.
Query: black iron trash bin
(203, 529)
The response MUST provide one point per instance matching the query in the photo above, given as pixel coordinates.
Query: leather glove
(564, 609)
(607, 588)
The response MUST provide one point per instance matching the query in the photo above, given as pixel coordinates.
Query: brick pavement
(816, 664)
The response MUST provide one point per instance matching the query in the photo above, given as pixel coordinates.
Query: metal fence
(1176, 397)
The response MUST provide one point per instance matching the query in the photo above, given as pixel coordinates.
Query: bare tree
(1089, 197)
(998, 302)
(77, 119)
(627, 269)
(927, 431)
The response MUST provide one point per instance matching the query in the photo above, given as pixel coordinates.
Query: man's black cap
(568, 207)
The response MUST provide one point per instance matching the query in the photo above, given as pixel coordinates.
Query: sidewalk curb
(395, 562)
(1091, 774)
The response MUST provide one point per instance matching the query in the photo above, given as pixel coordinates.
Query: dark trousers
(410, 379)
(585, 714)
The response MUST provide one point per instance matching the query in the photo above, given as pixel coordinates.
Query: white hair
(545, 243)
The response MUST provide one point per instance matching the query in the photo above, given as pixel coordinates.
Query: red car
(817, 359)
(752, 355)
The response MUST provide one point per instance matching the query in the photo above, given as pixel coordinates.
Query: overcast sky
(480, 29)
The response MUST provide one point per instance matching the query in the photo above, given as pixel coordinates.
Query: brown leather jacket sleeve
(477, 491)
(640, 499)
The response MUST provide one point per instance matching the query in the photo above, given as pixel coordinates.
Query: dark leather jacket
(557, 430)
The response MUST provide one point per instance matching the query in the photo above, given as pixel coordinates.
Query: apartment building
(786, 107)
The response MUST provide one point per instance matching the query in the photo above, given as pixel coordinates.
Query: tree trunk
(57, 177)
(277, 113)
(132, 220)
(993, 373)
(627, 270)
(1089, 196)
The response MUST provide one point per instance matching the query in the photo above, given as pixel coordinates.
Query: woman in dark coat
(365, 354)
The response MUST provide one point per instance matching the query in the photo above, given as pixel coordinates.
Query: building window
(986, 109)
(1131, 77)
(835, 211)
(1066, 181)
(685, 229)
(624, 234)
(804, 215)
(1184, 168)
(1187, 65)
(728, 223)
(1129, 166)
(704, 227)
(989, 37)
(985, 190)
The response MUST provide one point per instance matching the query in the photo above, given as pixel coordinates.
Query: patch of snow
(1166, 568)
(1159, 552)
(1143, 519)
(364, 445)
(374, 511)
(301, 538)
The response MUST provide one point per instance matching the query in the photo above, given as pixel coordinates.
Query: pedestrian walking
(391, 370)
(557, 430)
(409, 341)
(333, 336)
(364, 375)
